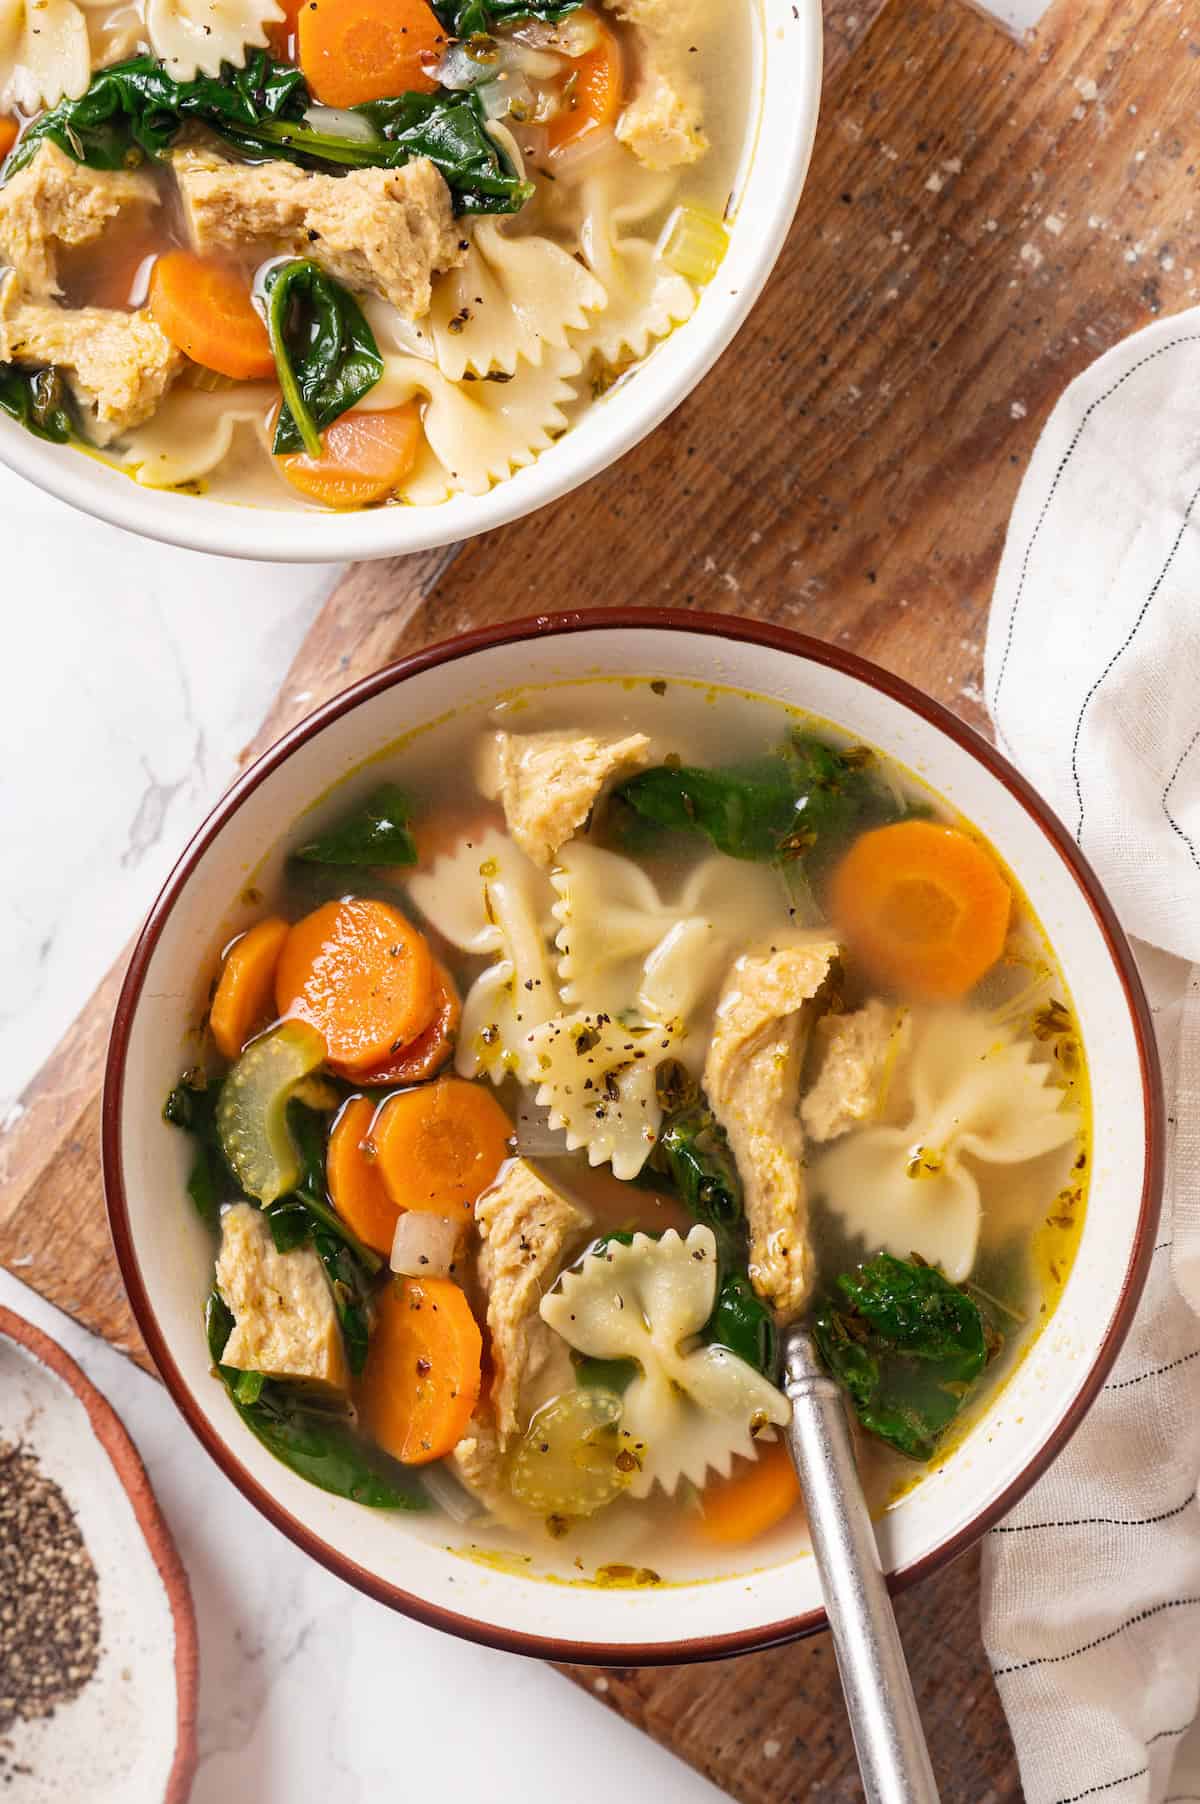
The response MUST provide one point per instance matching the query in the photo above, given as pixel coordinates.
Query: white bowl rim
(674, 369)
(716, 626)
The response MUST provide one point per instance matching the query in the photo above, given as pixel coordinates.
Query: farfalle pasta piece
(596, 1079)
(971, 1089)
(693, 1407)
(194, 37)
(44, 53)
(623, 945)
(515, 296)
(487, 898)
(193, 431)
(645, 299)
(477, 433)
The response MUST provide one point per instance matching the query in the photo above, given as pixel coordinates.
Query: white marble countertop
(135, 673)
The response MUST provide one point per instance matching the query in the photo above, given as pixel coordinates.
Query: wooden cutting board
(982, 219)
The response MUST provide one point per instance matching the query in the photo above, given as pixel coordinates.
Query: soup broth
(753, 1029)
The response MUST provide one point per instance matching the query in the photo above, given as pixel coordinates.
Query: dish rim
(716, 626)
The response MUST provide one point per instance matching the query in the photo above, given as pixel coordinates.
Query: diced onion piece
(445, 1490)
(424, 1246)
(459, 70)
(341, 122)
(535, 1138)
(693, 243)
(510, 95)
(573, 36)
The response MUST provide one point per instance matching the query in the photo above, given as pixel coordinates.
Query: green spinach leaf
(192, 1106)
(694, 1155)
(907, 1345)
(135, 110)
(801, 802)
(40, 401)
(377, 832)
(450, 130)
(320, 1444)
(469, 18)
(325, 352)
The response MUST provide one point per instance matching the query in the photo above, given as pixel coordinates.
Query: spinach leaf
(318, 1443)
(907, 1345)
(192, 1106)
(468, 18)
(801, 802)
(450, 130)
(325, 352)
(40, 401)
(377, 832)
(694, 1154)
(135, 110)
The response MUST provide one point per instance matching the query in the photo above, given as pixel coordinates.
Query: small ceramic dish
(131, 1732)
(791, 55)
(166, 1255)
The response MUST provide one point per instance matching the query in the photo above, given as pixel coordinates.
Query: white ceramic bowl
(774, 171)
(166, 1255)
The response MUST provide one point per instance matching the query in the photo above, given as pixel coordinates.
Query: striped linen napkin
(1091, 1588)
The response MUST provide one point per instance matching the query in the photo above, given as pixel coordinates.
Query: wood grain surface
(982, 219)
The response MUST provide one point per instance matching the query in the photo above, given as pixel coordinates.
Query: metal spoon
(888, 1738)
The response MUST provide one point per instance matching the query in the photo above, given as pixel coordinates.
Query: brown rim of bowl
(717, 626)
(126, 1462)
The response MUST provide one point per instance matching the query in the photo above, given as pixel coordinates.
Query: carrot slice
(363, 457)
(204, 308)
(356, 50)
(423, 1057)
(421, 1381)
(9, 132)
(441, 1145)
(755, 1498)
(245, 993)
(362, 975)
(352, 1173)
(595, 93)
(924, 907)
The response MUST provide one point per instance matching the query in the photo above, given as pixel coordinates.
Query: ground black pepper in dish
(49, 1605)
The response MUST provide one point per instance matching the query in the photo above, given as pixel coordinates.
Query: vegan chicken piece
(752, 1080)
(285, 1322)
(385, 231)
(663, 121)
(550, 782)
(525, 1227)
(55, 203)
(856, 1054)
(118, 365)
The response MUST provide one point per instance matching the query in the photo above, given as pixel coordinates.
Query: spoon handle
(888, 1737)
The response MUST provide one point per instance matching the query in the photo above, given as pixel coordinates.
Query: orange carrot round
(352, 1173)
(357, 50)
(923, 907)
(204, 308)
(423, 1057)
(421, 1381)
(362, 975)
(364, 457)
(9, 132)
(755, 1498)
(245, 994)
(595, 92)
(440, 1145)
(281, 33)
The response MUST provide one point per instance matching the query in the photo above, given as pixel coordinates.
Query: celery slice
(252, 1110)
(573, 1459)
(693, 243)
